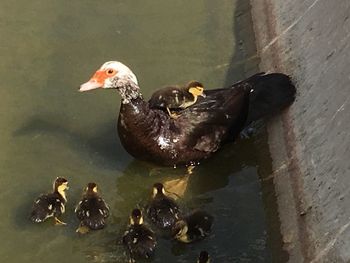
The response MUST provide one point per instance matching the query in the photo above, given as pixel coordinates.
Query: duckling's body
(203, 257)
(92, 210)
(174, 98)
(193, 227)
(52, 204)
(162, 210)
(138, 239)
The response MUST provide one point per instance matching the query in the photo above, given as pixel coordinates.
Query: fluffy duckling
(193, 227)
(203, 257)
(138, 239)
(92, 210)
(162, 210)
(176, 98)
(52, 204)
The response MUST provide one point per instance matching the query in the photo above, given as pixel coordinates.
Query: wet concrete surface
(309, 143)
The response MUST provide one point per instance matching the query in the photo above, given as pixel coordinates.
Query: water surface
(48, 129)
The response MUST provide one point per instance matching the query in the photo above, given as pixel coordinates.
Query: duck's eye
(110, 72)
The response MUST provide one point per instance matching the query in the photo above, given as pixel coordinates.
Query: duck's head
(203, 257)
(180, 230)
(136, 217)
(114, 75)
(158, 189)
(60, 185)
(91, 188)
(196, 88)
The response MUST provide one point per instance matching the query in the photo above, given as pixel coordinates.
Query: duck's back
(47, 205)
(172, 97)
(140, 241)
(163, 212)
(201, 129)
(92, 212)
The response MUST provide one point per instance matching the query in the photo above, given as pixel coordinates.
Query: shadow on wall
(244, 63)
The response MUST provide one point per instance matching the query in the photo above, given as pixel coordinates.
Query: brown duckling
(174, 98)
(139, 240)
(203, 257)
(92, 210)
(193, 227)
(162, 210)
(52, 204)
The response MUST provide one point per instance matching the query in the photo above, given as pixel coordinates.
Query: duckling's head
(136, 217)
(158, 189)
(60, 185)
(180, 230)
(203, 257)
(91, 188)
(196, 88)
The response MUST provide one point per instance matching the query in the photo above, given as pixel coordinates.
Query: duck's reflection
(138, 177)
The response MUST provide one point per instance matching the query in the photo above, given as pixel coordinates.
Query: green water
(48, 129)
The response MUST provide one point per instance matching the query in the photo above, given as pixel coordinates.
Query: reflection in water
(229, 192)
(176, 188)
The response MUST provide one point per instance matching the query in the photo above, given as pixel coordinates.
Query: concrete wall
(310, 142)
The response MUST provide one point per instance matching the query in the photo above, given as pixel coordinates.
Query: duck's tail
(269, 93)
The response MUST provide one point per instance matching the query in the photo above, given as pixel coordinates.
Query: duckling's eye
(110, 72)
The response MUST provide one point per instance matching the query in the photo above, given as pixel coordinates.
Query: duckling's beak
(203, 95)
(65, 185)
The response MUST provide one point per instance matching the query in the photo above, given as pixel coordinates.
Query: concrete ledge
(310, 142)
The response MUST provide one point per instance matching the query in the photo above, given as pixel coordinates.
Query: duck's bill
(90, 85)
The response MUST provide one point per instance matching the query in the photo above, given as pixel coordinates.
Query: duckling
(162, 210)
(203, 257)
(92, 210)
(193, 227)
(138, 239)
(52, 204)
(175, 98)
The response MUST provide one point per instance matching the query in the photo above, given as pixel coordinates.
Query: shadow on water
(245, 63)
(103, 146)
(211, 175)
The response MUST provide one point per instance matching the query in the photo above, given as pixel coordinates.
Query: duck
(150, 134)
(162, 210)
(203, 257)
(174, 98)
(51, 204)
(193, 227)
(139, 240)
(92, 211)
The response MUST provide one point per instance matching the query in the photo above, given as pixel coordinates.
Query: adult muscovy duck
(151, 134)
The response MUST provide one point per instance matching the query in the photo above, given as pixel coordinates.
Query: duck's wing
(212, 119)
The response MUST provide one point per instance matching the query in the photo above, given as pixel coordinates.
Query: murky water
(48, 129)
